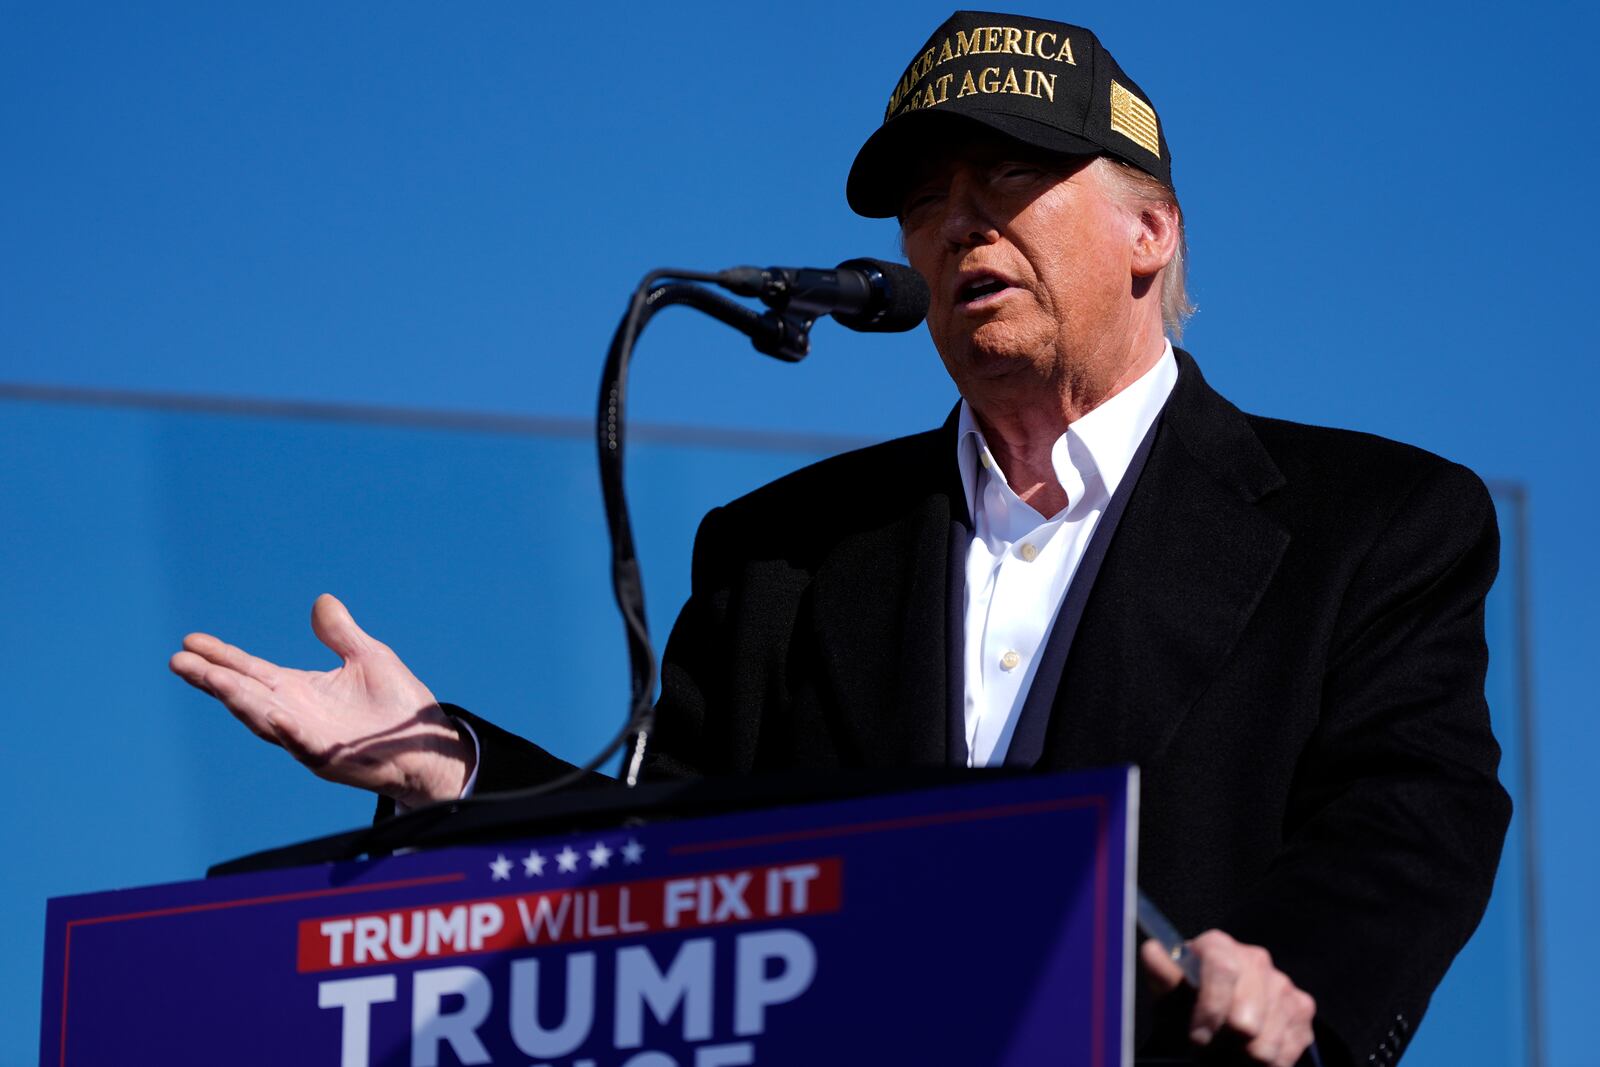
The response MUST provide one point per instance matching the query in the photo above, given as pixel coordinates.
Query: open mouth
(980, 287)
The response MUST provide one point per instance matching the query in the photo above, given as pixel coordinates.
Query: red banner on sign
(565, 916)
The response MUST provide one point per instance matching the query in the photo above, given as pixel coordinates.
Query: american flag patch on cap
(1134, 119)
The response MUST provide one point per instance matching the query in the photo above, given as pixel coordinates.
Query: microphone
(869, 295)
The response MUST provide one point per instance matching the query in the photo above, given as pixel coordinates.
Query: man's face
(1028, 259)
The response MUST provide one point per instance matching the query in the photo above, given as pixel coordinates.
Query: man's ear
(1155, 238)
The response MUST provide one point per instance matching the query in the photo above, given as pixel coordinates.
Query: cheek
(1083, 245)
(1092, 270)
(921, 260)
(927, 264)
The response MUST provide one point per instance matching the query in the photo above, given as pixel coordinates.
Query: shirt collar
(1093, 454)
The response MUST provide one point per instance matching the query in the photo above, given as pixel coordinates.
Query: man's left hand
(1240, 990)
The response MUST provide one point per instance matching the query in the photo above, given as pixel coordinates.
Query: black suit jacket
(1286, 636)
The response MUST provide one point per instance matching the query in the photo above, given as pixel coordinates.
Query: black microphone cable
(880, 296)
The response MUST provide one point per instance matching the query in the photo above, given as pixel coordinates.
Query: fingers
(1220, 998)
(1286, 1031)
(1241, 991)
(1162, 970)
(334, 627)
(248, 699)
(233, 658)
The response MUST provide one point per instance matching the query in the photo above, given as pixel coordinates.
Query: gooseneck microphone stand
(862, 294)
(783, 333)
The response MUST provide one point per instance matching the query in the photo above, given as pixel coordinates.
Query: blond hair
(1130, 184)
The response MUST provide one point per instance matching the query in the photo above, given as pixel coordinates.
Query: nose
(967, 219)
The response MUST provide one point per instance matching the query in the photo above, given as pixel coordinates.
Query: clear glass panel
(479, 554)
(1482, 1012)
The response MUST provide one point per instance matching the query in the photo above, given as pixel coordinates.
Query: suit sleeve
(1394, 834)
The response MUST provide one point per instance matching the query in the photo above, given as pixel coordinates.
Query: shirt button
(988, 461)
(1030, 553)
(1009, 661)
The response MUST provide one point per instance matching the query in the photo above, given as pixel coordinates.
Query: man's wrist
(448, 772)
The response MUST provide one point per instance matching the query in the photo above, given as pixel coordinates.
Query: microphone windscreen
(901, 297)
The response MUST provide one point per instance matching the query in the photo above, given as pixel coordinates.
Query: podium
(974, 921)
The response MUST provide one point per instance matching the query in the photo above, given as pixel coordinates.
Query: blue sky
(444, 206)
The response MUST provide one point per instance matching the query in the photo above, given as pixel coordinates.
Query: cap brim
(882, 167)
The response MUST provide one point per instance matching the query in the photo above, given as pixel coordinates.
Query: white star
(566, 859)
(500, 867)
(632, 852)
(599, 856)
(532, 864)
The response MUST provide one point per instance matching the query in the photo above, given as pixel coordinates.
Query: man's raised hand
(369, 723)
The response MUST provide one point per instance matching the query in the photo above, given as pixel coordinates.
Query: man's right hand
(1242, 992)
(369, 723)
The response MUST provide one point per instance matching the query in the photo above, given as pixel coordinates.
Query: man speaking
(1095, 560)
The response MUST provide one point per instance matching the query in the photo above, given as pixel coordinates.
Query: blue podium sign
(989, 923)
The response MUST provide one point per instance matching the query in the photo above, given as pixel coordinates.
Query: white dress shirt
(1020, 563)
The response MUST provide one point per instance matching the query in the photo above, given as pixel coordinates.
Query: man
(1096, 560)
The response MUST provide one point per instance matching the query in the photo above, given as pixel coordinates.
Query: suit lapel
(1184, 573)
(880, 614)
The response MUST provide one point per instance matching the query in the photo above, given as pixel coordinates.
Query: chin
(1001, 344)
(988, 350)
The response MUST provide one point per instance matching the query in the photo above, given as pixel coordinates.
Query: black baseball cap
(1046, 84)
